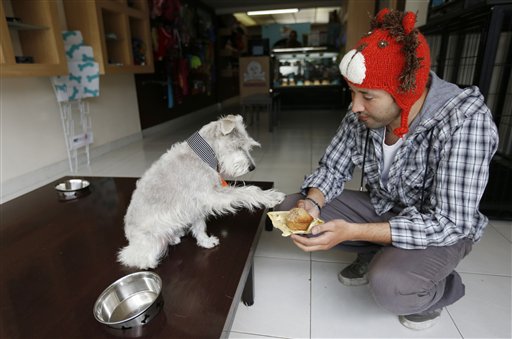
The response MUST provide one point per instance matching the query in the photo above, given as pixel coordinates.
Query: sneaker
(355, 274)
(420, 321)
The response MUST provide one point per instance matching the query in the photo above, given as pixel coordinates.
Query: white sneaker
(420, 321)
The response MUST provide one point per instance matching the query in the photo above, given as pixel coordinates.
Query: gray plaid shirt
(463, 138)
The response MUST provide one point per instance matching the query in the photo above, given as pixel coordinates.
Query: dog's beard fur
(179, 191)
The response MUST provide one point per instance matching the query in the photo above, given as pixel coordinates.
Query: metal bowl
(131, 301)
(72, 189)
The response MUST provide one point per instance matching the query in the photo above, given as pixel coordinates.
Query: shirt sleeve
(335, 167)
(458, 184)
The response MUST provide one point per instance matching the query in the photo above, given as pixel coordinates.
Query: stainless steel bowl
(131, 301)
(72, 189)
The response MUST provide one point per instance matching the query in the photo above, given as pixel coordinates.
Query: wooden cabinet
(118, 31)
(30, 38)
(31, 42)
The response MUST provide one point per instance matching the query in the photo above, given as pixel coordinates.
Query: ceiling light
(244, 19)
(273, 11)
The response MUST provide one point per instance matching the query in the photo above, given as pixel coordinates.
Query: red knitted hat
(395, 57)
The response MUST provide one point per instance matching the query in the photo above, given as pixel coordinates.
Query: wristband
(315, 203)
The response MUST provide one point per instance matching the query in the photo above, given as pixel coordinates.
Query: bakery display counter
(307, 78)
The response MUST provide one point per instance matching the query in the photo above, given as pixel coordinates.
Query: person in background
(334, 29)
(290, 42)
(424, 146)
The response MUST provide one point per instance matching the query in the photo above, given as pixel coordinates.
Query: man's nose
(357, 103)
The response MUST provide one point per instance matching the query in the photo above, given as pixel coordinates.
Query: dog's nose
(252, 168)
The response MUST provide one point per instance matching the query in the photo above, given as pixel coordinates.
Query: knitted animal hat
(395, 57)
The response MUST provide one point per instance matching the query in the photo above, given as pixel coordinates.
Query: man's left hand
(325, 236)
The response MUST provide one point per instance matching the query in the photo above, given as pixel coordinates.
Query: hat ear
(382, 13)
(408, 22)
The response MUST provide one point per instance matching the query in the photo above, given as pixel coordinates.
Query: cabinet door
(31, 42)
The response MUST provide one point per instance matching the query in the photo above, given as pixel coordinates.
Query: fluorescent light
(300, 49)
(274, 11)
(244, 19)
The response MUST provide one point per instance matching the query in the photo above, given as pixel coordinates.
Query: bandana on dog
(205, 152)
(395, 57)
(203, 149)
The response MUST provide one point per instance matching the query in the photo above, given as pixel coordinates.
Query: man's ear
(227, 124)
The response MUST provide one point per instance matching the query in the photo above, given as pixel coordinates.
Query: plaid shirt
(463, 138)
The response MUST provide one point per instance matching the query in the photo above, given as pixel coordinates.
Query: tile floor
(297, 295)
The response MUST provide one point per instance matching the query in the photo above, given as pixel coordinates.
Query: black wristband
(315, 203)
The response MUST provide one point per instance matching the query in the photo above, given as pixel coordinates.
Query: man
(424, 146)
(291, 42)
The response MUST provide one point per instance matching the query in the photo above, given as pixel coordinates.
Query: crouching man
(424, 146)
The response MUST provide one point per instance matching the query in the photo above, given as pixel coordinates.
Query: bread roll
(298, 219)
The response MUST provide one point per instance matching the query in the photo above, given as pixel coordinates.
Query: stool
(251, 107)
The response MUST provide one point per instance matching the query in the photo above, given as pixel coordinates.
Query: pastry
(298, 219)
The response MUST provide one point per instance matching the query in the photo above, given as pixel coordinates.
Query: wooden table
(57, 257)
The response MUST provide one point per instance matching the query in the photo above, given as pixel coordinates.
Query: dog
(184, 187)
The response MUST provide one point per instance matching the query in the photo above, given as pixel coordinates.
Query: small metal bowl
(72, 189)
(131, 301)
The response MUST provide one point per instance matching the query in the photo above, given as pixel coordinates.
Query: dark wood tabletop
(56, 257)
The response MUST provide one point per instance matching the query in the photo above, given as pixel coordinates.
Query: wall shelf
(37, 35)
(21, 26)
(100, 20)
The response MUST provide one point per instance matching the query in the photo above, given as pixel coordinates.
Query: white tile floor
(297, 295)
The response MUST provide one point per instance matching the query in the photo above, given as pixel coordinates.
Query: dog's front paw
(273, 197)
(174, 241)
(208, 242)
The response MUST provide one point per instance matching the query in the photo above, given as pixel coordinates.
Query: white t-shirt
(389, 152)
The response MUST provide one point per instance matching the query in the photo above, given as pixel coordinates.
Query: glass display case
(307, 77)
(309, 66)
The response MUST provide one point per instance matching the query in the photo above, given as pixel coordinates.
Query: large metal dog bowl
(72, 189)
(131, 301)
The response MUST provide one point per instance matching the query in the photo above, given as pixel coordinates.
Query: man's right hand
(317, 196)
(309, 207)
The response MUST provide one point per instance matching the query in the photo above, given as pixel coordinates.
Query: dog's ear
(228, 123)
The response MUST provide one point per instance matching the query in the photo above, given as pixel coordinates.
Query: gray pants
(402, 281)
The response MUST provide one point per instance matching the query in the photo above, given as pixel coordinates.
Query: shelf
(37, 34)
(21, 26)
(127, 20)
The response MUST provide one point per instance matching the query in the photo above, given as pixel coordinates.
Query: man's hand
(326, 236)
(316, 195)
(332, 233)
(309, 207)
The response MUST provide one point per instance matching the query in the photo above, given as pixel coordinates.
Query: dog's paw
(208, 242)
(174, 241)
(273, 197)
(133, 256)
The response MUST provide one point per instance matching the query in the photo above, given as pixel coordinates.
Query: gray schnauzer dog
(185, 186)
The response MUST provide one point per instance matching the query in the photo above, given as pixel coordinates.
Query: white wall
(31, 133)
(420, 7)
(32, 142)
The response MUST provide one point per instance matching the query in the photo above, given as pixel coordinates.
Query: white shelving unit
(78, 135)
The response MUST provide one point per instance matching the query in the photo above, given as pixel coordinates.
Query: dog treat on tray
(278, 219)
(298, 219)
